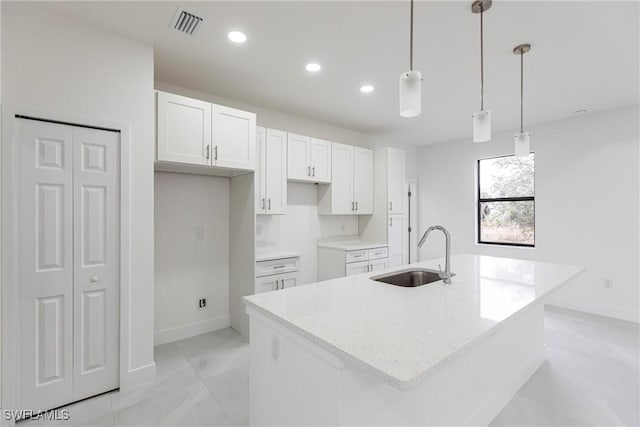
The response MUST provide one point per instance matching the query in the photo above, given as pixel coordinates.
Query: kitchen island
(354, 351)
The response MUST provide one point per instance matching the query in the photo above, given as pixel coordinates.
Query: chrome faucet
(446, 276)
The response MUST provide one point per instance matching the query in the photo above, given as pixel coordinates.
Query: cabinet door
(397, 235)
(395, 180)
(357, 268)
(320, 160)
(233, 138)
(267, 283)
(183, 129)
(298, 167)
(259, 180)
(378, 264)
(288, 280)
(342, 201)
(363, 180)
(276, 172)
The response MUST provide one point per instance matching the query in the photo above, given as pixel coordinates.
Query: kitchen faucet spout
(446, 276)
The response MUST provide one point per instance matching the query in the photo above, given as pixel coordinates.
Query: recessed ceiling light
(366, 89)
(313, 67)
(237, 36)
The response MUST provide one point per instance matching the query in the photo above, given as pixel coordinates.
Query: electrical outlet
(608, 283)
(199, 232)
(202, 304)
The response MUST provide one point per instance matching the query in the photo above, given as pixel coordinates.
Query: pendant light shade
(522, 144)
(482, 126)
(481, 119)
(410, 93)
(522, 139)
(411, 82)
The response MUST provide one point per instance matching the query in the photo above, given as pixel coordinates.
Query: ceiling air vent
(186, 22)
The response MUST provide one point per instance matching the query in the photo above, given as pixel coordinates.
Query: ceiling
(585, 55)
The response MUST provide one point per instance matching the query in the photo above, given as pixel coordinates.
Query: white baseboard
(597, 309)
(139, 376)
(164, 336)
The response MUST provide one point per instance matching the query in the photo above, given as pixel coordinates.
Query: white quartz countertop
(275, 254)
(401, 335)
(350, 244)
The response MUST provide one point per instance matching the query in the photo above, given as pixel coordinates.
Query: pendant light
(481, 119)
(522, 138)
(411, 83)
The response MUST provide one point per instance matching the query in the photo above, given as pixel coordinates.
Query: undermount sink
(410, 278)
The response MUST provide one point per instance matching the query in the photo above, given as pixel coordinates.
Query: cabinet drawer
(357, 268)
(276, 266)
(355, 256)
(377, 253)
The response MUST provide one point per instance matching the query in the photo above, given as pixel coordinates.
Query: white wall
(587, 196)
(300, 229)
(56, 67)
(189, 265)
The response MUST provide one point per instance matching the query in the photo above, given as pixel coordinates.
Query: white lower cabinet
(397, 238)
(334, 262)
(277, 274)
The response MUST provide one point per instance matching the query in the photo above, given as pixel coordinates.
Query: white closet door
(45, 353)
(96, 261)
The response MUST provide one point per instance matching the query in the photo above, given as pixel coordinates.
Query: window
(506, 202)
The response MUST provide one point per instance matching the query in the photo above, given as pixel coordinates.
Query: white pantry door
(68, 263)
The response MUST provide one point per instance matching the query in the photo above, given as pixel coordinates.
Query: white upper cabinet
(298, 147)
(363, 180)
(200, 133)
(320, 160)
(184, 129)
(233, 138)
(271, 172)
(395, 180)
(341, 189)
(351, 188)
(309, 159)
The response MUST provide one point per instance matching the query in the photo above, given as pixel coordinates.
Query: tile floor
(591, 377)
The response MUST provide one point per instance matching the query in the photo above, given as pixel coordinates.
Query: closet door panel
(96, 261)
(45, 286)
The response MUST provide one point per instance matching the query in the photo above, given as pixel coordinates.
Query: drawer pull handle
(357, 256)
(279, 266)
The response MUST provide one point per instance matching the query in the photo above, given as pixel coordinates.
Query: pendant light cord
(481, 59)
(411, 39)
(521, 90)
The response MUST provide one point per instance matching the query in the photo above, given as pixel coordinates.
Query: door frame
(9, 242)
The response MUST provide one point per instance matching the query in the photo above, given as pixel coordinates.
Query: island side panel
(291, 382)
(470, 390)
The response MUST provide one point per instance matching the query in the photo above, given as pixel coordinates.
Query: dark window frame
(503, 199)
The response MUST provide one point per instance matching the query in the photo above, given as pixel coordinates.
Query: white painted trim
(597, 309)
(140, 376)
(9, 242)
(164, 336)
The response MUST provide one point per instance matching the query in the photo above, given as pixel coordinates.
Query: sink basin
(410, 278)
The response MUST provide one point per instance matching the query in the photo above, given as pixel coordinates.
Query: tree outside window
(506, 201)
